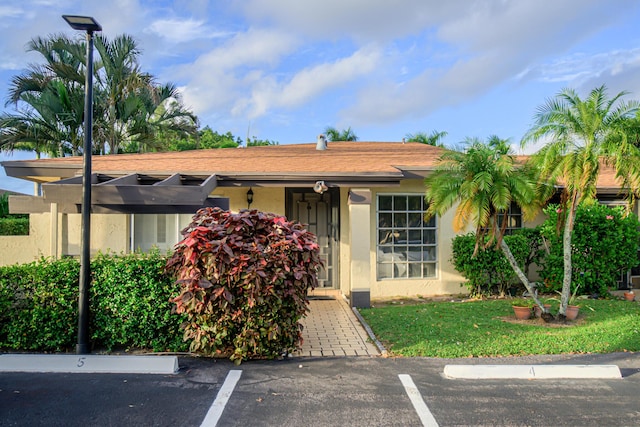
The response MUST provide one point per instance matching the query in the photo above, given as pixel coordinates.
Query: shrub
(39, 305)
(244, 279)
(130, 299)
(488, 271)
(11, 226)
(129, 304)
(604, 243)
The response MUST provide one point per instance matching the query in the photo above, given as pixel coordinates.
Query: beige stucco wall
(108, 233)
(266, 199)
(25, 249)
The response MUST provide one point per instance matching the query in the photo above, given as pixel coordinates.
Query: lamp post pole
(89, 25)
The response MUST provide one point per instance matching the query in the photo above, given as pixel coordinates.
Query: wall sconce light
(249, 198)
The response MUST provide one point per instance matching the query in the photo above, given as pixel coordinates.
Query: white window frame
(406, 246)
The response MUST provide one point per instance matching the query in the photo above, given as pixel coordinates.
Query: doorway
(321, 213)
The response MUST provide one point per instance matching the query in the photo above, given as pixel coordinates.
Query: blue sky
(283, 70)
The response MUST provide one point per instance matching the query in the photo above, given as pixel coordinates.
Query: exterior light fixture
(89, 25)
(249, 198)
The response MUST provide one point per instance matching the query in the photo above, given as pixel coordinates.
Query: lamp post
(88, 24)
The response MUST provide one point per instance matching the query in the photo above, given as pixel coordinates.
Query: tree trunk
(520, 274)
(566, 251)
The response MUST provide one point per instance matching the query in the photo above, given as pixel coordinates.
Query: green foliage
(39, 305)
(488, 271)
(604, 242)
(129, 304)
(206, 138)
(14, 226)
(4, 205)
(244, 279)
(478, 329)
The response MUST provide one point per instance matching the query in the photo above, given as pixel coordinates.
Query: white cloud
(181, 31)
(218, 78)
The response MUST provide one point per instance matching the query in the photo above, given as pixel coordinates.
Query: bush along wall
(604, 244)
(488, 272)
(129, 304)
(244, 279)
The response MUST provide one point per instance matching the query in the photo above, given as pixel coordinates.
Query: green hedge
(12, 226)
(129, 300)
(604, 243)
(488, 272)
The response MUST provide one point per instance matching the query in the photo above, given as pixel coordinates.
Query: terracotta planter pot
(572, 312)
(538, 311)
(629, 296)
(522, 313)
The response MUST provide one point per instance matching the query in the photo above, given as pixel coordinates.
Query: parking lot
(344, 391)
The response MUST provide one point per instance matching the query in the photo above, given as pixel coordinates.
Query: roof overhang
(136, 193)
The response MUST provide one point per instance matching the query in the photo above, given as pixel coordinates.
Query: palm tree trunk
(566, 254)
(516, 268)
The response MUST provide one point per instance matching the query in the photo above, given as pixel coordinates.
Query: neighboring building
(364, 201)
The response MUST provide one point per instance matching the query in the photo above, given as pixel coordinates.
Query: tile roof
(303, 160)
(340, 157)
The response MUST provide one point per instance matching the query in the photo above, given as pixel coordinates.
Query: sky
(284, 70)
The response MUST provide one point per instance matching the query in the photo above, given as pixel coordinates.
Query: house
(364, 201)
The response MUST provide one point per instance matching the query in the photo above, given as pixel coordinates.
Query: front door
(321, 214)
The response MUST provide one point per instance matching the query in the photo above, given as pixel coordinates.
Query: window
(161, 231)
(514, 219)
(406, 243)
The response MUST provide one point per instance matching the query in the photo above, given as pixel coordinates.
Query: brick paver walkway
(332, 329)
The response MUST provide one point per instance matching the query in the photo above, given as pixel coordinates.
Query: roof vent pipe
(322, 142)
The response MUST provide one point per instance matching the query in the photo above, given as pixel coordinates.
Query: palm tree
(334, 134)
(134, 108)
(585, 134)
(434, 138)
(49, 100)
(483, 181)
(130, 107)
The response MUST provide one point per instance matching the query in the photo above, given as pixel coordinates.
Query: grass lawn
(489, 328)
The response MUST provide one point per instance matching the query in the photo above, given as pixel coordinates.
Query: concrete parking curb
(67, 363)
(532, 372)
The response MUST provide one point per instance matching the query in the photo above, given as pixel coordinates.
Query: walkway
(332, 329)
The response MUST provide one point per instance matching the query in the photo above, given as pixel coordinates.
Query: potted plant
(629, 295)
(522, 309)
(538, 311)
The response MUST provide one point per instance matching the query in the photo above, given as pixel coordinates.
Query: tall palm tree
(134, 108)
(334, 134)
(129, 105)
(483, 181)
(434, 138)
(49, 100)
(585, 134)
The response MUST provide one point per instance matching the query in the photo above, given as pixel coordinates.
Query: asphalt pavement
(325, 391)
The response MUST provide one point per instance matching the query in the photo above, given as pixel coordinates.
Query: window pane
(415, 203)
(400, 219)
(400, 203)
(415, 219)
(385, 219)
(429, 236)
(429, 270)
(415, 270)
(385, 203)
(415, 236)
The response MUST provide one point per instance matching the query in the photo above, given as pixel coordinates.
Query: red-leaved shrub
(244, 279)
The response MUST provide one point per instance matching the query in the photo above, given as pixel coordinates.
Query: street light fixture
(88, 24)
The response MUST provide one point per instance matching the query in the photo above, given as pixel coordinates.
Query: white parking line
(215, 411)
(418, 403)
